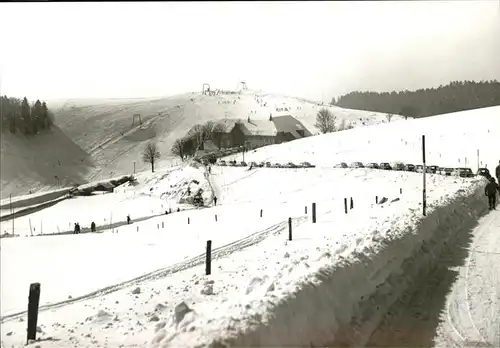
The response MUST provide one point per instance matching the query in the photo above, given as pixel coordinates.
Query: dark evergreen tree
(45, 117)
(456, 96)
(36, 116)
(26, 117)
(17, 115)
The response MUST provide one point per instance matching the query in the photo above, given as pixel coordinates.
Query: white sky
(308, 49)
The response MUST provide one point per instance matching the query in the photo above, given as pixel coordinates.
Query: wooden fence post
(33, 302)
(208, 258)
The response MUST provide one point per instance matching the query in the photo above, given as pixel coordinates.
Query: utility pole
(11, 212)
(424, 195)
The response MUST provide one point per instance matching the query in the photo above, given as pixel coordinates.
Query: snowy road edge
(351, 299)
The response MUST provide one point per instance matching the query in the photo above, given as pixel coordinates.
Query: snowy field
(125, 286)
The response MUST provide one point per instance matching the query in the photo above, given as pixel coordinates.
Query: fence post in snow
(208, 258)
(215, 217)
(162, 224)
(137, 228)
(376, 199)
(33, 302)
(289, 228)
(400, 190)
(261, 213)
(314, 213)
(345, 205)
(188, 220)
(352, 203)
(157, 226)
(305, 209)
(424, 198)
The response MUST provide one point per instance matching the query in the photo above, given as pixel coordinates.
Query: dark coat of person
(92, 226)
(492, 188)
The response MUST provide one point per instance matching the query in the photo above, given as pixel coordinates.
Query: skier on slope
(490, 191)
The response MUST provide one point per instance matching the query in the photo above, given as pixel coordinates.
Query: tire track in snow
(452, 316)
(217, 253)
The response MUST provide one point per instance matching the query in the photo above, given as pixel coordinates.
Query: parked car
(398, 166)
(409, 167)
(419, 168)
(291, 165)
(307, 165)
(431, 169)
(232, 163)
(261, 164)
(243, 164)
(268, 164)
(385, 166)
(357, 165)
(448, 171)
(463, 172)
(276, 165)
(372, 165)
(484, 172)
(253, 164)
(341, 165)
(222, 163)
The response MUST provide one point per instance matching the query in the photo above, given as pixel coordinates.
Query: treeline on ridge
(456, 96)
(18, 115)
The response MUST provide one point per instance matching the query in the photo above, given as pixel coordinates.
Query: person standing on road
(497, 172)
(490, 191)
(215, 200)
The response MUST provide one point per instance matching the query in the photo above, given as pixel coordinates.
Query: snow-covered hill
(144, 284)
(105, 130)
(103, 133)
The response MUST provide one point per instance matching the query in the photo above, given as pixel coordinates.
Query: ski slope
(123, 286)
(99, 139)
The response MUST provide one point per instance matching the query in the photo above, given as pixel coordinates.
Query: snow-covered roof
(259, 127)
(289, 124)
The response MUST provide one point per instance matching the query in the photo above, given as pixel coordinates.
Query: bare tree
(325, 121)
(389, 117)
(209, 130)
(150, 155)
(178, 148)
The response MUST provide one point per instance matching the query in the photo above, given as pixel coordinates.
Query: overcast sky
(308, 49)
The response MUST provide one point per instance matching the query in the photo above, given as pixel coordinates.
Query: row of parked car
(264, 164)
(419, 168)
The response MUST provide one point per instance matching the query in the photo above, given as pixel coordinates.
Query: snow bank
(344, 303)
